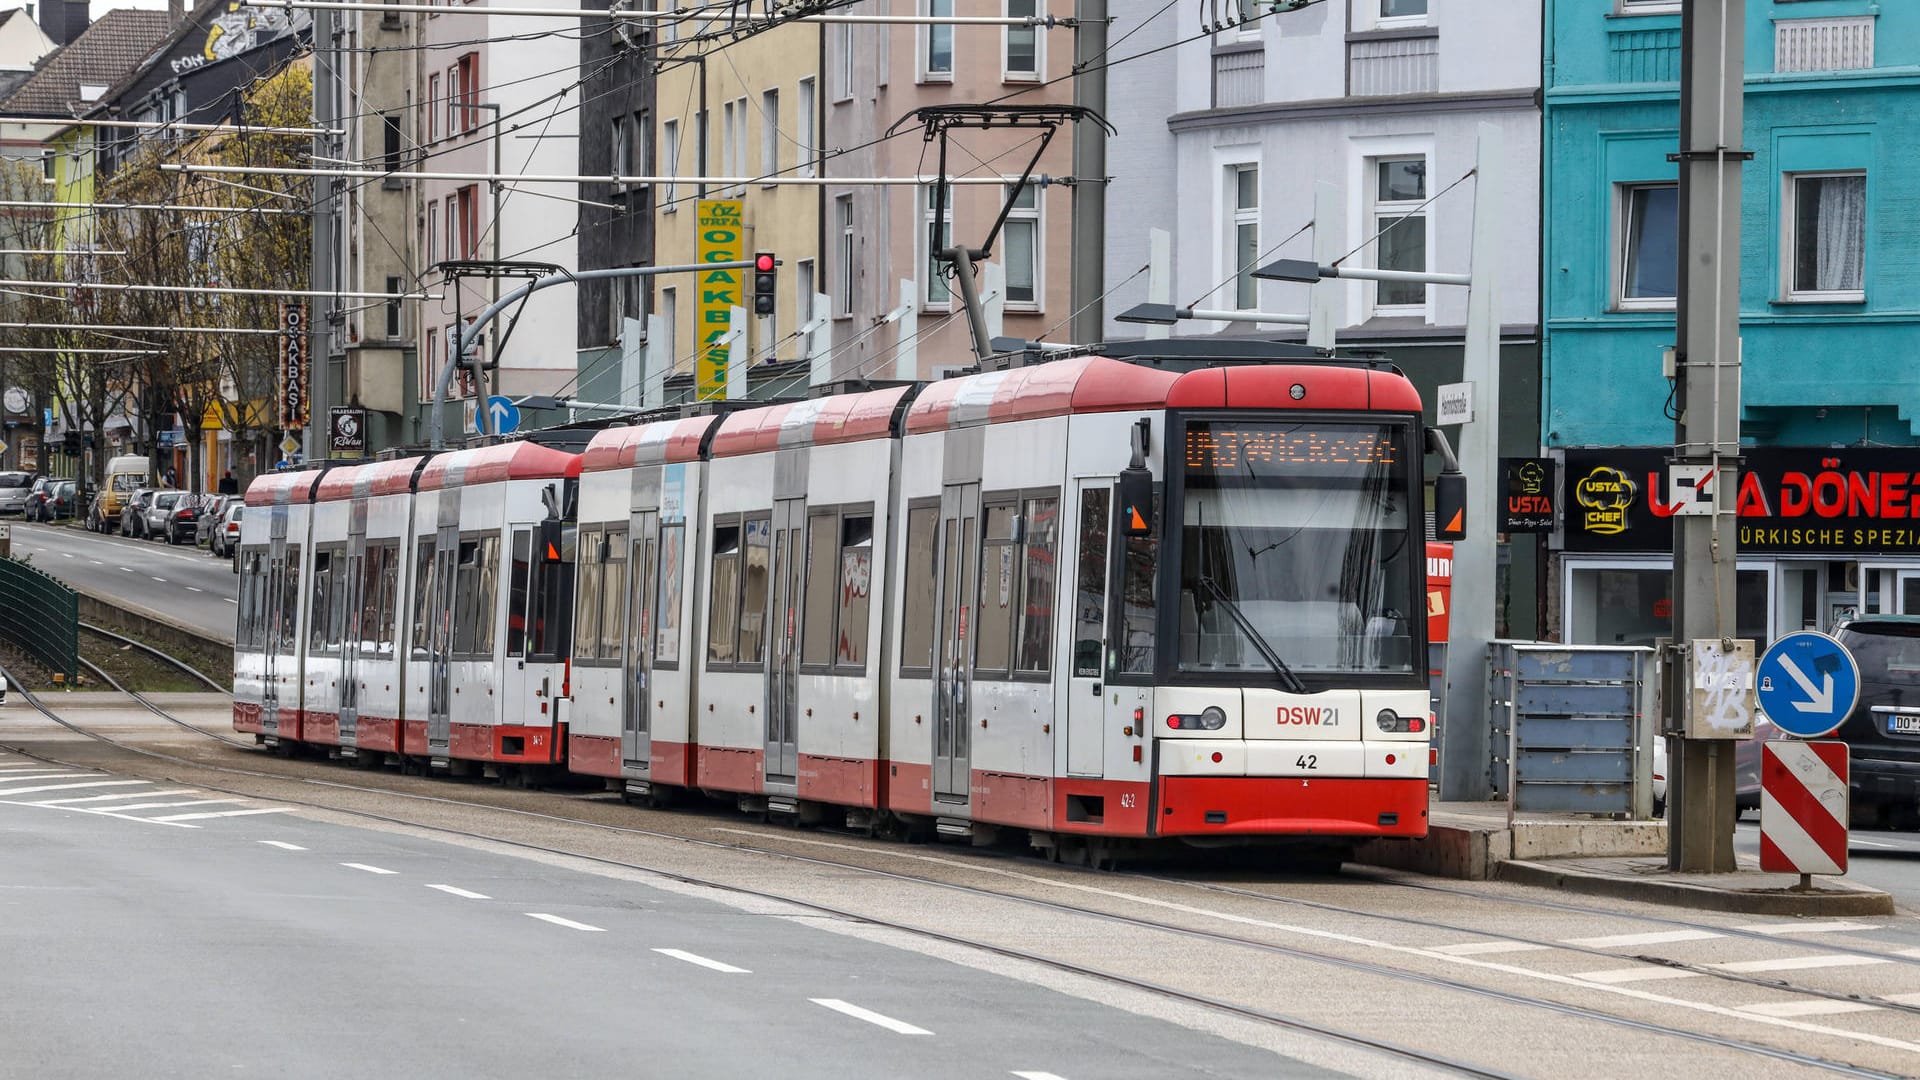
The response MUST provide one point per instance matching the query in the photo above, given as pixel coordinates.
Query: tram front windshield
(1297, 546)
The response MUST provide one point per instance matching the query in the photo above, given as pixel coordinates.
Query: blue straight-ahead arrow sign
(503, 416)
(1808, 684)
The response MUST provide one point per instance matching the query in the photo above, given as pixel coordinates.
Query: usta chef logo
(1309, 716)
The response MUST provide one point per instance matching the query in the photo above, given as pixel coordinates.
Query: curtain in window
(1841, 241)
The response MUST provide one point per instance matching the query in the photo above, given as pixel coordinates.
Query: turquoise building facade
(1829, 310)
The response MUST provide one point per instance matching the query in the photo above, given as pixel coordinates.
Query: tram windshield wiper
(1288, 679)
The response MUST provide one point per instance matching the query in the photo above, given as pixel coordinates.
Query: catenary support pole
(1705, 582)
(1159, 278)
(326, 76)
(1464, 736)
(1089, 271)
(1328, 235)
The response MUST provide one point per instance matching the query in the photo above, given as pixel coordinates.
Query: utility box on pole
(1707, 433)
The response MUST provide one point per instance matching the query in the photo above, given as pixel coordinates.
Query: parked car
(211, 509)
(1883, 731)
(52, 499)
(14, 487)
(157, 522)
(133, 511)
(182, 519)
(126, 475)
(36, 495)
(226, 536)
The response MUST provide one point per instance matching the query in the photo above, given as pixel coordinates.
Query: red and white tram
(1149, 594)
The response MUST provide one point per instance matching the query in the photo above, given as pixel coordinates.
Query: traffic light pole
(436, 422)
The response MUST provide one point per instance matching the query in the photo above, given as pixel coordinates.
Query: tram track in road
(1292, 952)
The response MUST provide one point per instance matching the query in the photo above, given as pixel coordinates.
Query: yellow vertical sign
(722, 239)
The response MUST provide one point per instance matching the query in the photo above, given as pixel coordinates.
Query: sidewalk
(1625, 859)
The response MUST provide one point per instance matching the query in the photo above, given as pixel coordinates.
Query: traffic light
(764, 282)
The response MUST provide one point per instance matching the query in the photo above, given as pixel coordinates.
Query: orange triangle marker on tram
(1139, 523)
(1454, 525)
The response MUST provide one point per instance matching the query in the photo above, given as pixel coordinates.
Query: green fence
(41, 616)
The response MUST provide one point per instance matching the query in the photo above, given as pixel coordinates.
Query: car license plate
(1903, 724)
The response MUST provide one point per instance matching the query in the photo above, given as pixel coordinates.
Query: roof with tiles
(107, 52)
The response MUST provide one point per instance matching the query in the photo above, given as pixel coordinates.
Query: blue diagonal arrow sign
(1808, 683)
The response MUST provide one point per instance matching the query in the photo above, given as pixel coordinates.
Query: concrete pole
(1464, 761)
(1159, 277)
(1327, 240)
(656, 363)
(1712, 74)
(1089, 261)
(739, 355)
(906, 332)
(993, 279)
(633, 362)
(323, 267)
(820, 341)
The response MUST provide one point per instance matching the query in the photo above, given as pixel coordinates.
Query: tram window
(1036, 607)
(613, 600)
(466, 583)
(823, 550)
(723, 605)
(550, 598)
(754, 581)
(666, 641)
(487, 583)
(999, 592)
(386, 631)
(917, 593)
(1090, 589)
(289, 632)
(319, 606)
(856, 590)
(423, 593)
(517, 586)
(1139, 556)
(338, 599)
(586, 617)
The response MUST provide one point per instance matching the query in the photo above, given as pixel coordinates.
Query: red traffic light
(763, 262)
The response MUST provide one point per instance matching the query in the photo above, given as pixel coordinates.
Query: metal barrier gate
(41, 616)
(1573, 727)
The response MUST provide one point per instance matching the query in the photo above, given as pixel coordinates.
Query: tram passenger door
(642, 572)
(353, 596)
(274, 617)
(1086, 693)
(953, 691)
(783, 668)
(446, 556)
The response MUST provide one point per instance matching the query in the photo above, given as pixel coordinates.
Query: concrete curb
(117, 613)
(1834, 898)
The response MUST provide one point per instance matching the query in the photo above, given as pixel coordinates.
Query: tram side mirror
(550, 538)
(1136, 501)
(1450, 506)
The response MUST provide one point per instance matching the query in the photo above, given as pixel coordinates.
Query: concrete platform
(1624, 859)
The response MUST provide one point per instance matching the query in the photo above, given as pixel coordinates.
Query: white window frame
(1248, 29)
(923, 264)
(1007, 74)
(640, 130)
(923, 45)
(1037, 215)
(1370, 224)
(1367, 16)
(843, 71)
(770, 133)
(1646, 7)
(1234, 217)
(619, 149)
(741, 127)
(804, 124)
(669, 314)
(804, 286)
(845, 249)
(1789, 213)
(670, 164)
(1622, 257)
(432, 246)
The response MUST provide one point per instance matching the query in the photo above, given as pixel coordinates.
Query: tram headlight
(1212, 718)
(1394, 723)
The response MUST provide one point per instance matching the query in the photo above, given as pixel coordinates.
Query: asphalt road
(170, 933)
(1885, 860)
(182, 583)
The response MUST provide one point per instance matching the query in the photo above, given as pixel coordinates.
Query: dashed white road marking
(1803, 963)
(111, 798)
(693, 958)
(1647, 973)
(230, 600)
(1660, 937)
(161, 580)
(1807, 1008)
(191, 588)
(568, 923)
(455, 890)
(96, 562)
(128, 569)
(231, 813)
(165, 805)
(8, 794)
(1836, 926)
(360, 866)
(40, 774)
(1039, 1076)
(283, 845)
(1851, 841)
(66, 554)
(1487, 948)
(900, 1027)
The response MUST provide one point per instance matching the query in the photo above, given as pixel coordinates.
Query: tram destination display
(1221, 449)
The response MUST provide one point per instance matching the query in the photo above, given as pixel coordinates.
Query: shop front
(1824, 533)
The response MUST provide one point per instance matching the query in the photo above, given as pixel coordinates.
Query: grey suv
(14, 487)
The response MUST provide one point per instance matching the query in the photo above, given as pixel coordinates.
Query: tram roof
(281, 488)
(647, 444)
(373, 478)
(810, 422)
(503, 461)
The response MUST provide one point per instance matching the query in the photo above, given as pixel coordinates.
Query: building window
(433, 231)
(1020, 248)
(803, 290)
(733, 140)
(1243, 233)
(1842, 44)
(1649, 246)
(670, 163)
(843, 283)
(1020, 44)
(395, 287)
(935, 293)
(843, 70)
(390, 142)
(803, 127)
(1410, 10)
(639, 138)
(769, 133)
(1825, 246)
(433, 107)
(936, 44)
(469, 68)
(453, 227)
(1400, 186)
(469, 221)
(669, 314)
(1648, 7)
(619, 150)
